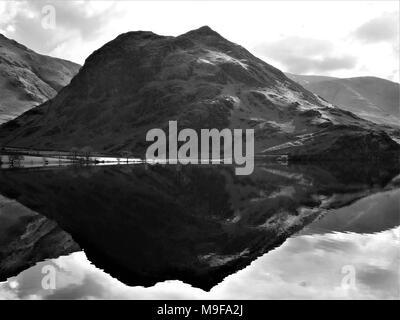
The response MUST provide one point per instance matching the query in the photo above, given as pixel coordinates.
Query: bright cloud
(306, 55)
(336, 38)
(380, 29)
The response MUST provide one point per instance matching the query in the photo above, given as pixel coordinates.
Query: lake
(140, 231)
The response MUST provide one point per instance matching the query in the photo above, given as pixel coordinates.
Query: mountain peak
(203, 31)
(200, 79)
(140, 35)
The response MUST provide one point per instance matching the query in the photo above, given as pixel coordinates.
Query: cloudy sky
(336, 38)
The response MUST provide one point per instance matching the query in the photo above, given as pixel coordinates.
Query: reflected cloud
(157, 234)
(304, 267)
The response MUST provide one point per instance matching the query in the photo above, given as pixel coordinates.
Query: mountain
(142, 80)
(307, 79)
(371, 98)
(28, 78)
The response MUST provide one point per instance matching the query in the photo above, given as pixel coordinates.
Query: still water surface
(172, 232)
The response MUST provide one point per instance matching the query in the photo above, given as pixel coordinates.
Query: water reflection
(198, 225)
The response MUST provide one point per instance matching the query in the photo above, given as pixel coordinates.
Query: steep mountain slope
(141, 80)
(28, 78)
(371, 98)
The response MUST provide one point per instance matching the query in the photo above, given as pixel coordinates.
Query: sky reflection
(363, 236)
(304, 267)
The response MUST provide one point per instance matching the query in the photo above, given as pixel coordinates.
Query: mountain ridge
(28, 78)
(140, 80)
(370, 97)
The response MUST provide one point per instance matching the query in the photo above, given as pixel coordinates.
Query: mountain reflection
(198, 224)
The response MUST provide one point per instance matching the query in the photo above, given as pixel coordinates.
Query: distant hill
(28, 78)
(142, 80)
(371, 98)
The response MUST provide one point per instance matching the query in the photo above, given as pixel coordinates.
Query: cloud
(380, 29)
(303, 55)
(323, 44)
(75, 23)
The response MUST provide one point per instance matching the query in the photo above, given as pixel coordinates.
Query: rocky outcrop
(341, 144)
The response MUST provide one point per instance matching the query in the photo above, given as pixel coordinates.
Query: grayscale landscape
(78, 194)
